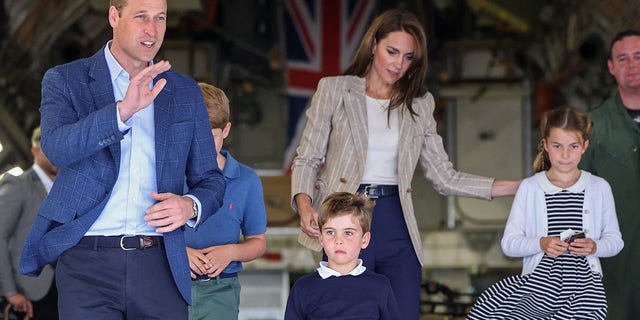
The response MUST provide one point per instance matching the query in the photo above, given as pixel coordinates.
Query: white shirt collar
(548, 187)
(326, 272)
(44, 178)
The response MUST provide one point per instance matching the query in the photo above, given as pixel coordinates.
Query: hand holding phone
(569, 235)
(575, 236)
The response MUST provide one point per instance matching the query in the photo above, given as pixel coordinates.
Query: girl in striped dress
(561, 279)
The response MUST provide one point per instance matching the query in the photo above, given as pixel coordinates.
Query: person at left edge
(20, 198)
(125, 132)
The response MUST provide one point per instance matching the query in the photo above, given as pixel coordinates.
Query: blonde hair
(36, 138)
(217, 105)
(340, 204)
(565, 118)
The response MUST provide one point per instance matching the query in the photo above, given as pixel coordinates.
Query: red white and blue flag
(321, 39)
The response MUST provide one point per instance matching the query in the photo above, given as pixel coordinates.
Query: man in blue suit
(126, 133)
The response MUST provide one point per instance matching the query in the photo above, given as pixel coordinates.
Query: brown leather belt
(125, 242)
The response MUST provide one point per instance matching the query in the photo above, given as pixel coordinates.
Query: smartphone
(575, 236)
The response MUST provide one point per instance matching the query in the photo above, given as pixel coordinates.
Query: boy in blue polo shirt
(215, 250)
(342, 288)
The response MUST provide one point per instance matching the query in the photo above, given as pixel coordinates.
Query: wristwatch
(195, 209)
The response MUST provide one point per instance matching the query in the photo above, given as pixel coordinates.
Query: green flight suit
(614, 155)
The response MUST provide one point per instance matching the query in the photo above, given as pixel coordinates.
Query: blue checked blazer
(80, 135)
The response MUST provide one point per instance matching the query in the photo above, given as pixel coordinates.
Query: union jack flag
(321, 39)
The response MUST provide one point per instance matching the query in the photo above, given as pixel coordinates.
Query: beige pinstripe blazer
(331, 154)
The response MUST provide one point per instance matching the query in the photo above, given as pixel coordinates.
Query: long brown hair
(565, 118)
(412, 84)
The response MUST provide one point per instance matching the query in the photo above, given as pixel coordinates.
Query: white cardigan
(527, 221)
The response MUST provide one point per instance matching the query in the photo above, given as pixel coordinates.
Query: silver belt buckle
(366, 191)
(122, 243)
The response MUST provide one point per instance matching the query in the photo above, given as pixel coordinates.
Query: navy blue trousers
(110, 283)
(390, 253)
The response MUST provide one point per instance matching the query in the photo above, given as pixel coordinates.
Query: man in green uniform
(614, 154)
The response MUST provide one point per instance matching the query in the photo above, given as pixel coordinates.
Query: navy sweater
(367, 296)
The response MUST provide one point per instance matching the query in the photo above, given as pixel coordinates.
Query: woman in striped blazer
(366, 132)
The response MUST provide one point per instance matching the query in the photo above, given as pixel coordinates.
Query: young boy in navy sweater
(342, 288)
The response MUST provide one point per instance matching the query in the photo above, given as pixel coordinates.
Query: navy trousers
(390, 252)
(110, 283)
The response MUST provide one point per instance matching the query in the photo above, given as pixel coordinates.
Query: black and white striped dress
(564, 287)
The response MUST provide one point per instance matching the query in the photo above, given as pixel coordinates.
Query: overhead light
(1, 147)
(15, 171)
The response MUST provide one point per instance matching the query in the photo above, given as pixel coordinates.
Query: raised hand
(139, 95)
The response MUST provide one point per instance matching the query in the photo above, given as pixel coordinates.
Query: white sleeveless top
(381, 165)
